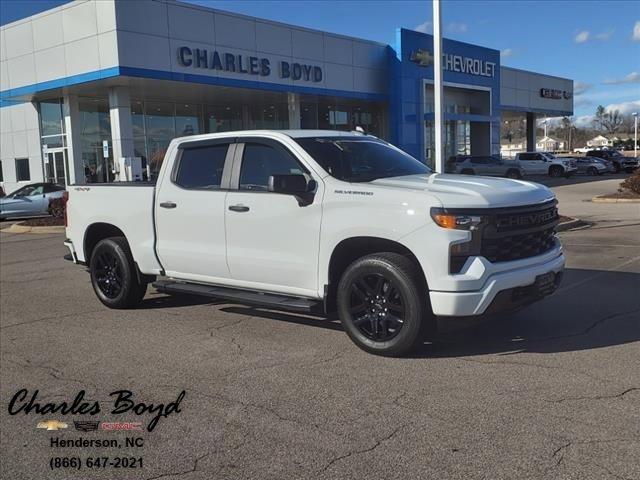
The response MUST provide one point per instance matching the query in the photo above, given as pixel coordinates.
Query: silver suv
(489, 166)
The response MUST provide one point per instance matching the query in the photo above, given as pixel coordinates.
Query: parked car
(30, 201)
(620, 162)
(487, 165)
(593, 166)
(545, 163)
(581, 149)
(319, 221)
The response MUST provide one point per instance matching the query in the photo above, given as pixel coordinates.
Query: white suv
(545, 163)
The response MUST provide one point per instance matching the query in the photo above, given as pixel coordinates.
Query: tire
(555, 171)
(391, 286)
(467, 171)
(513, 174)
(616, 167)
(114, 275)
(592, 171)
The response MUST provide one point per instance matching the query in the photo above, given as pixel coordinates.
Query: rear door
(272, 240)
(533, 163)
(189, 209)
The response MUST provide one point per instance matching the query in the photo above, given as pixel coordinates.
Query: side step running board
(271, 300)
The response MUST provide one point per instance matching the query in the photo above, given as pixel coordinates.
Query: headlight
(455, 221)
(564, 162)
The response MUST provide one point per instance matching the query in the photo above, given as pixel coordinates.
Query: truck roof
(289, 133)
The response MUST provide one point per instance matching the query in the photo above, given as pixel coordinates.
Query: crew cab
(319, 221)
(545, 163)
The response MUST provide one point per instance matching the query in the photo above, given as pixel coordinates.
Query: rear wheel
(556, 171)
(617, 167)
(382, 303)
(113, 274)
(592, 171)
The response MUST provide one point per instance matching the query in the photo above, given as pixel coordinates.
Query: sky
(596, 43)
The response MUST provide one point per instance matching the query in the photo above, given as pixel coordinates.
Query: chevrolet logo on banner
(52, 425)
(421, 57)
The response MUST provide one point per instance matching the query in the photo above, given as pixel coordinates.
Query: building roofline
(536, 73)
(72, 3)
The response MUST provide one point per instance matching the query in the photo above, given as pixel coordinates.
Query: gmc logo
(527, 219)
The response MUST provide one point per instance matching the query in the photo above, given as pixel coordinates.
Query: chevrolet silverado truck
(545, 163)
(319, 222)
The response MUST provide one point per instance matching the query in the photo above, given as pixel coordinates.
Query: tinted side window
(259, 162)
(201, 167)
(526, 156)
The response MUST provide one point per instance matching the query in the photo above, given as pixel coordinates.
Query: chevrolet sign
(455, 63)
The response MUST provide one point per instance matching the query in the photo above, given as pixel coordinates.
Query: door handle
(168, 205)
(239, 208)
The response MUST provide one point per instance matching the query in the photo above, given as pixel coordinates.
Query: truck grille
(520, 232)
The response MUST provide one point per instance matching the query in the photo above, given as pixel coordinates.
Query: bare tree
(612, 121)
(598, 118)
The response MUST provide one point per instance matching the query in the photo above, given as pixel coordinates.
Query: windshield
(360, 159)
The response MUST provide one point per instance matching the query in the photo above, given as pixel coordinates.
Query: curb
(570, 224)
(615, 200)
(19, 228)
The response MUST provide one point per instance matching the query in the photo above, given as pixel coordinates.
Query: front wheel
(556, 171)
(113, 274)
(513, 174)
(382, 304)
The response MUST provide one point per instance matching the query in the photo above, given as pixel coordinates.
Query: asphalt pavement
(550, 392)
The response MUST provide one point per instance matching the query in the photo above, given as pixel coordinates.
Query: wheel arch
(350, 249)
(96, 232)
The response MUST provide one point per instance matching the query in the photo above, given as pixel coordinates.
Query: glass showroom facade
(156, 123)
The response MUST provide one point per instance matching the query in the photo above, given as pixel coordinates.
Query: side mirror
(290, 184)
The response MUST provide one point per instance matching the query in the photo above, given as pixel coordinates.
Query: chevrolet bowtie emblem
(421, 57)
(52, 425)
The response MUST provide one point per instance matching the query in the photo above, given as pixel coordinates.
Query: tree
(612, 121)
(599, 117)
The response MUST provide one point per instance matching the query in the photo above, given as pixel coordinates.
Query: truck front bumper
(502, 291)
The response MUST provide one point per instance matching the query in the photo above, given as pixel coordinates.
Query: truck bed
(126, 205)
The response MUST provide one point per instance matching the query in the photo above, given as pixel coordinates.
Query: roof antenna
(359, 129)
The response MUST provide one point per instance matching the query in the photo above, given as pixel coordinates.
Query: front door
(190, 211)
(56, 166)
(272, 241)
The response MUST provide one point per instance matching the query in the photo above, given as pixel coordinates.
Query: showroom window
(22, 170)
(223, 118)
(201, 168)
(95, 127)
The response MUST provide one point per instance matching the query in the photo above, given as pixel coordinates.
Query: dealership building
(93, 81)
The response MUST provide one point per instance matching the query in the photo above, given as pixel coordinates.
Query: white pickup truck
(319, 221)
(545, 163)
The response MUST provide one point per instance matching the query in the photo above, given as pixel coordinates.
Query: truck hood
(469, 191)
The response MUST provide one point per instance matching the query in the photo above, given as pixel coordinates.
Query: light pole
(437, 85)
(635, 134)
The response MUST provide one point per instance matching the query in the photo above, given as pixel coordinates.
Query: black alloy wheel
(555, 171)
(114, 274)
(108, 274)
(383, 304)
(377, 307)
